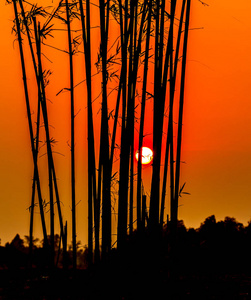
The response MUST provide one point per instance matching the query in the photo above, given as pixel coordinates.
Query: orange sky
(217, 124)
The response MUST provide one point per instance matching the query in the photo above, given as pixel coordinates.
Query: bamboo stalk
(130, 106)
(48, 146)
(170, 123)
(34, 182)
(36, 139)
(73, 192)
(169, 143)
(99, 186)
(128, 103)
(158, 116)
(127, 121)
(136, 41)
(41, 89)
(142, 115)
(181, 106)
(91, 154)
(170, 115)
(124, 154)
(115, 124)
(106, 178)
(131, 187)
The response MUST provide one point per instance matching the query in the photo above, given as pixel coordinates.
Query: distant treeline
(222, 246)
(215, 247)
(16, 254)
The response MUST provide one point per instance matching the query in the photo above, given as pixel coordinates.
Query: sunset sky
(216, 136)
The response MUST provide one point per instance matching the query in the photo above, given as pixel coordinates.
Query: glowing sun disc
(147, 155)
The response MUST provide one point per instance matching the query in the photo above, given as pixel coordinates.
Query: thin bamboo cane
(128, 103)
(132, 76)
(91, 154)
(42, 95)
(115, 124)
(136, 41)
(131, 196)
(34, 181)
(181, 106)
(124, 154)
(171, 96)
(73, 192)
(169, 144)
(130, 106)
(170, 123)
(106, 179)
(142, 115)
(36, 139)
(170, 115)
(49, 154)
(158, 115)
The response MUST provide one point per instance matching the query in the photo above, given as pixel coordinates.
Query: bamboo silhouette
(30, 123)
(129, 71)
(136, 42)
(115, 124)
(174, 216)
(46, 123)
(41, 95)
(104, 140)
(34, 183)
(131, 102)
(171, 100)
(74, 249)
(51, 167)
(142, 24)
(92, 201)
(158, 114)
(124, 156)
(142, 115)
(37, 133)
(50, 152)
(169, 139)
(168, 65)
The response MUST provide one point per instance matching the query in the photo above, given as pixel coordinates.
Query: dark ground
(118, 283)
(212, 262)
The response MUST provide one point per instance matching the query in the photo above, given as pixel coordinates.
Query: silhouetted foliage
(217, 254)
(212, 240)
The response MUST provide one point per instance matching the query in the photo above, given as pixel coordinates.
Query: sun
(147, 155)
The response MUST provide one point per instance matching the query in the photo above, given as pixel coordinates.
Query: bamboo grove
(144, 63)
